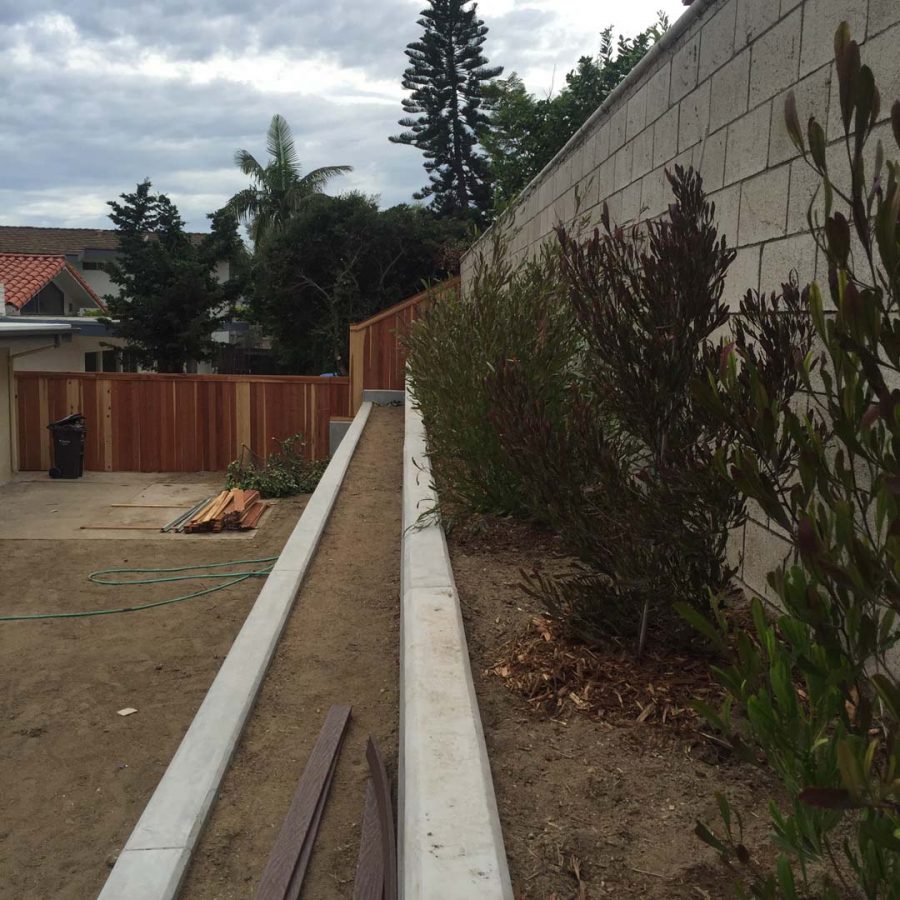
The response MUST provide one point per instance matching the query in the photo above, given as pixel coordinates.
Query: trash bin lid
(76, 420)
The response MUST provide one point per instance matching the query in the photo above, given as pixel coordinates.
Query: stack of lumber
(235, 510)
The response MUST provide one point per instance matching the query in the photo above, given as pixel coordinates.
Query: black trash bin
(68, 446)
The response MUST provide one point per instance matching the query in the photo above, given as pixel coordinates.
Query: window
(48, 301)
(93, 266)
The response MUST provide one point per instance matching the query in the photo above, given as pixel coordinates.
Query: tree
(278, 188)
(339, 260)
(525, 133)
(169, 300)
(446, 77)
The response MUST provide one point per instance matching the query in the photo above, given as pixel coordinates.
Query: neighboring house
(48, 290)
(86, 252)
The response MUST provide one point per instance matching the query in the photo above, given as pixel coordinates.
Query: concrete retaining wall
(450, 841)
(711, 94)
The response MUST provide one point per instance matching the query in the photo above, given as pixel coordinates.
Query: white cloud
(107, 94)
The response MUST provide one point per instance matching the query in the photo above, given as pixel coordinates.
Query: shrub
(281, 474)
(816, 688)
(629, 478)
(509, 316)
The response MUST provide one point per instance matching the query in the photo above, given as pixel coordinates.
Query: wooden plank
(369, 881)
(44, 419)
(107, 424)
(243, 433)
(385, 817)
(280, 873)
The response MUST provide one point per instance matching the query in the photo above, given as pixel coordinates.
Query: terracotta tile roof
(56, 241)
(23, 275)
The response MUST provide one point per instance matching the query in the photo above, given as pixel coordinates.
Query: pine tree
(169, 300)
(446, 77)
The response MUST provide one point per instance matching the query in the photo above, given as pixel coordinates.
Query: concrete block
(693, 118)
(812, 100)
(147, 874)
(743, 276)
(734, 550)
(636, 114)
(337, 428)
(881, 14)
(728, 207)
(763, 553)
(788, 5)
(753, 18)
(617, 124)
(623, 162)
(654, 193)
(606, 179)
(776, 59)
(665, 137)
(631, 202)
(601, 144)
(764, 202)
(684, 69)
(658, 92)
(642, 156)
(728, 97)
(384, 398)
(711, 161)
(614, 204)
(717, 40)
(748, 144)
(820, 21)
(804, 188)
(796, 254)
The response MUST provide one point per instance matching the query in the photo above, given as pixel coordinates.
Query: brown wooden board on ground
(385, 818)
(283, 875)
(235, 510)
(369, 882)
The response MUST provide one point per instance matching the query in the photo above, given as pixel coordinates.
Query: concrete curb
(156, 856)
(450, 841)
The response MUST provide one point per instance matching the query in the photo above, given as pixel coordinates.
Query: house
(86, 253)
(47, 289)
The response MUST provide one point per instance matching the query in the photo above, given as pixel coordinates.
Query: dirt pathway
(74, 776)
(340, 646)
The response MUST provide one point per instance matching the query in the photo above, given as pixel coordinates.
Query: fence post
(357, 367)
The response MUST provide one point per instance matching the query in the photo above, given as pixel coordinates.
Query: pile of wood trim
(233, 510)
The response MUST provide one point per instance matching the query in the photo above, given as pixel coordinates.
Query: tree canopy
(524, 133)
(446, 78)
(278, 189)
(169, 300)
(339, 260)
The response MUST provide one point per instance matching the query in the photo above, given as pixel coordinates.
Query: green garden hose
(161, 576)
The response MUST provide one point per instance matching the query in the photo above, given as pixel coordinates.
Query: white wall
(712, 95)
(68, 357)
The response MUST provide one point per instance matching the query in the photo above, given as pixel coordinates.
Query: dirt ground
(339, 646)
(74, 775)
(588, 808)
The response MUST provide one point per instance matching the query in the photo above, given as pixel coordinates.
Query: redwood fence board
(377, 355)
(145, 422)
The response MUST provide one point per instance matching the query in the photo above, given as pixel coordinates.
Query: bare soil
(74, 775)
(339, 646)
(592, 804)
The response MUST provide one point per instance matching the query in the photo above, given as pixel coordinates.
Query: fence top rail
(440, 288)
(158, 376)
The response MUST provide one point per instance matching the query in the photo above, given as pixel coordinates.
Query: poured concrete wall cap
(451, 844)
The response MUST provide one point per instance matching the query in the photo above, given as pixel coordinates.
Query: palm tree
(278, 189)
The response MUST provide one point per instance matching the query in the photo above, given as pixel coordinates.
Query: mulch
(562, 677)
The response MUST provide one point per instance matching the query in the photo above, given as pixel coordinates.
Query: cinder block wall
(711, 94)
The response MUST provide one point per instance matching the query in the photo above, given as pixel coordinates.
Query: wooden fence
(175, 423)
(377, 358)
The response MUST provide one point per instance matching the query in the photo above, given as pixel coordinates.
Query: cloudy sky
(102, 93)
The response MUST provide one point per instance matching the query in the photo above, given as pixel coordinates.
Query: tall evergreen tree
(169, 300)
(446, 79)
